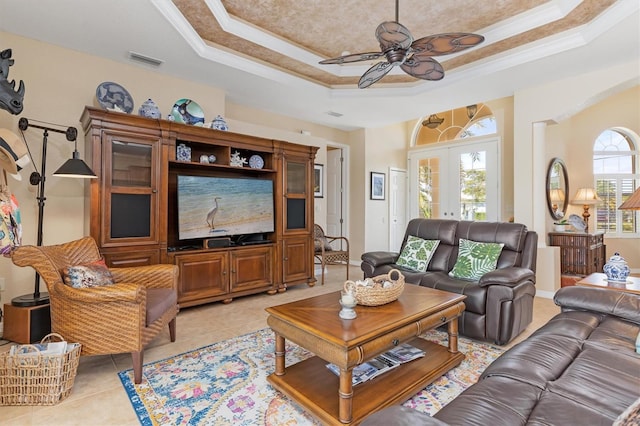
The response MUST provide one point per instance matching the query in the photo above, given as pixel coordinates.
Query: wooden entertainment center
(133, 205)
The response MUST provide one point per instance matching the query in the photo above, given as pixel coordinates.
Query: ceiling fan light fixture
(433, 121)
(415, 57)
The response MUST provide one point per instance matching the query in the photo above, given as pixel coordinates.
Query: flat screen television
(210, 207)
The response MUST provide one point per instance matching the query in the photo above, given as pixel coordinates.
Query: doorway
(456, 181)
(336, 191)
(397, 208)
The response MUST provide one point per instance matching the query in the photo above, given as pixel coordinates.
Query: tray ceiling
(293, 36)
(264, 54)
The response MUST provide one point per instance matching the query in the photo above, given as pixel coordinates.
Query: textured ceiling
(264, 54)
(330, 27)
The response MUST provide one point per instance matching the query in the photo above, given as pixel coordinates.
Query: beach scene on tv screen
(210, 207)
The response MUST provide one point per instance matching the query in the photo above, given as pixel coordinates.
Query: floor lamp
(73, 167)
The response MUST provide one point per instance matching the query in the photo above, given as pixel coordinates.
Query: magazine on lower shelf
(382, 363)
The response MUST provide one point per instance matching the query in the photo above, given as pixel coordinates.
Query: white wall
(384, 147)
(59, 84)
(533, 109)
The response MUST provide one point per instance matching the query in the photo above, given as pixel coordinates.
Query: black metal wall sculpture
(10, 98)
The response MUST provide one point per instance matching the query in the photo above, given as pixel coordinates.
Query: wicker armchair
(118, 318)
(330, 250)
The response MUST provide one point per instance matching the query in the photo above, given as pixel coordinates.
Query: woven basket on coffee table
(377, 294)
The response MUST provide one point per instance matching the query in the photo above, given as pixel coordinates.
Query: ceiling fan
(414, 57)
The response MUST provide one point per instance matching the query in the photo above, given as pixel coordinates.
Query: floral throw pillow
(475, 259)
(417, 253)
(94, 274)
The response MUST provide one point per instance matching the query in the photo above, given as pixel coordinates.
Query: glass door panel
(296, 177)
(473, 185)
(457, 182)
(429, 174)
(131, 164)
(130, 196)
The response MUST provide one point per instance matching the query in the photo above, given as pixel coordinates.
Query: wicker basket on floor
(377, 294)
(36, 379)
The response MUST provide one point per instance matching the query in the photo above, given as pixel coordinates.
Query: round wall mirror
(557, 188)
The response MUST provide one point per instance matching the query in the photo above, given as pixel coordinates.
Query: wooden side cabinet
(580, 253)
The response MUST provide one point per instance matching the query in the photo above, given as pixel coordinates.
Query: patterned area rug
(226, 384)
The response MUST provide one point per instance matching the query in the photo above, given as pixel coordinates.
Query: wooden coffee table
(315, 325)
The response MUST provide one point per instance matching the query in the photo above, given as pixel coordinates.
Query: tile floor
(98, 397)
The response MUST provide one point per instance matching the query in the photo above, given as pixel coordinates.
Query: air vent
(145, 59)
(334, 114)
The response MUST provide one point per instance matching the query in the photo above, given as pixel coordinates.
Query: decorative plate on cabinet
(114, 97)
(256, 162)
(188, 112)
(577, 222)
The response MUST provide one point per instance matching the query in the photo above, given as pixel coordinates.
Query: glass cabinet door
(130, 198)
(296, 180)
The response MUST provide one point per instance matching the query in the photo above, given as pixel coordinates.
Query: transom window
(483, 126)
(615, 170)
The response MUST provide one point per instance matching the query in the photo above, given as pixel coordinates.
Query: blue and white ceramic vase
(218, 123)
(616, 269)
(183, 152)
(149, 109)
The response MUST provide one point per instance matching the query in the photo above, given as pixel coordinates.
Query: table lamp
(632, 203)
(556, 196)
(586, 197)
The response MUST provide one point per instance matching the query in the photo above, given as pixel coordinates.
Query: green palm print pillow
(416, 253)
(475, 259)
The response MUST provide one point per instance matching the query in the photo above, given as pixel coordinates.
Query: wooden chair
(330, 250)
(118, 318)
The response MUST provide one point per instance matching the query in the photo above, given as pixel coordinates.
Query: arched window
(615, 170)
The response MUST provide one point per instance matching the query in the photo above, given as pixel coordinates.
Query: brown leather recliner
(500, 305)
(581, 367)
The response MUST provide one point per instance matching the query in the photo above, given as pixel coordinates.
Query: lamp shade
(633, 202)
(586, 196)
(75, 168)
(556, 195)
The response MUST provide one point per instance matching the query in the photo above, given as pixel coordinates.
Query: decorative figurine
(10, 99)
(348, 302)
(236, 160)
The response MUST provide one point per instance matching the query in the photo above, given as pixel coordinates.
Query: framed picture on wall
(377, 186)
(318, 190)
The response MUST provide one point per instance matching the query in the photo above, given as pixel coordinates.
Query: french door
(457, 181)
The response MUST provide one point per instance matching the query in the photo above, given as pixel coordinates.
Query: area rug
(226, 384)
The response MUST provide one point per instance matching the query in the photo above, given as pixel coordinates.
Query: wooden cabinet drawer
(370, 349)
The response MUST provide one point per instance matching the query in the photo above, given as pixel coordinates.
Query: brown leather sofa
(500, 305)
(579, 368)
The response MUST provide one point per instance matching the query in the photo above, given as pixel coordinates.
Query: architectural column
(539, 180)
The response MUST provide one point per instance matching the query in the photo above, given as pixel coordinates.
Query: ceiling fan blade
(355, 57)
(423, 67)
(393, 35)
(444, 44)
(374, 74)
